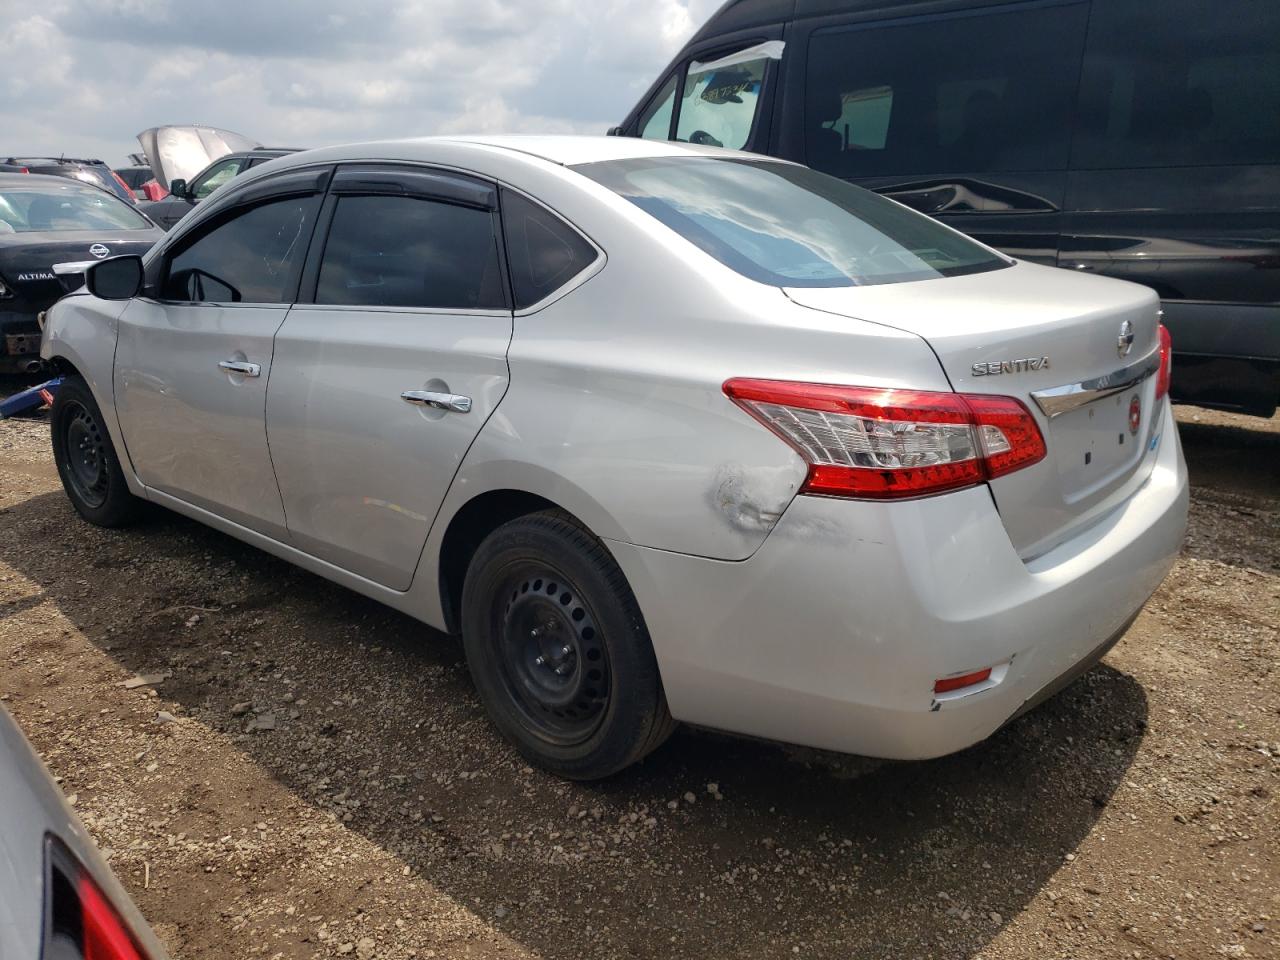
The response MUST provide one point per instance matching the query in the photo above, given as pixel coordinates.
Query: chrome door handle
(441, 401)
(241, 367)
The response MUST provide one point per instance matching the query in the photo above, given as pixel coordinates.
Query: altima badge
(1124, 342)
(997, 367)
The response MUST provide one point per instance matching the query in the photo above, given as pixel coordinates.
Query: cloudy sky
(84, 76)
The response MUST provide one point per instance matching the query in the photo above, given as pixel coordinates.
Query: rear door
(963, 115)
(193, 354)
(385, 373)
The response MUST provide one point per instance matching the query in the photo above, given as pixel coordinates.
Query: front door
(193, 359)
(382, 382)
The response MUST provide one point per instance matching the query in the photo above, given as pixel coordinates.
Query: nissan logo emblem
(1124, 342)
(99, 250)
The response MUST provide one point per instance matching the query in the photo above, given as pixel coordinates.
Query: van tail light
(80, 922)
(1166, 361)
(879, 443)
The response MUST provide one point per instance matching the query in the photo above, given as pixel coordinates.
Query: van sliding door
(965, 116)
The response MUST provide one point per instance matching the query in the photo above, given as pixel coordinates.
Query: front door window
(215, 178)
(720, 102)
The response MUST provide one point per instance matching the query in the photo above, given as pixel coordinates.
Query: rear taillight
(1166, 361)
(80, 921)
(879, 443)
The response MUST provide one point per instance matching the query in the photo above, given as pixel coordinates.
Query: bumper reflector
(950, 684)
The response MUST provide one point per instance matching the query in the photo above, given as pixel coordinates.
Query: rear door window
(405, 251)
(969, 92)
(1180, 83)
(543, 251)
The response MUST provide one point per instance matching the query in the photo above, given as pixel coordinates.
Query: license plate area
(18, 344)
(1100, 444)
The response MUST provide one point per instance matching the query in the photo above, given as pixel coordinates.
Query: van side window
(655, 122)
(1179, 83)
(958, 93)
(719, 104)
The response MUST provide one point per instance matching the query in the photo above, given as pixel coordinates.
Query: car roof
(52, 162)
(45, 182)
(566, 150)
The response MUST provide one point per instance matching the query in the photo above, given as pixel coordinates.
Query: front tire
(86, 459)
(559, 651)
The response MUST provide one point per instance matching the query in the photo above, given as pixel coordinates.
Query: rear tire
(86, 459)
(559, 651)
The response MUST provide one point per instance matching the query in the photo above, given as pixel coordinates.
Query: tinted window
(655, 122)
(1181, 82)
(543, 251)
(957, 93)
(788, 226)
(719, 103)
(410, 252)
(72, 208)
(254, 257)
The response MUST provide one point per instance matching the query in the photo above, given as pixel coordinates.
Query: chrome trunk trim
(1056, 401)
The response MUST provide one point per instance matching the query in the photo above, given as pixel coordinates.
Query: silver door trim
(1055, 401)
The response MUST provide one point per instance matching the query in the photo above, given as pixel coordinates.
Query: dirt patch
(315, 777)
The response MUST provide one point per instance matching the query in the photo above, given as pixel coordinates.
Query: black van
(1136, 138)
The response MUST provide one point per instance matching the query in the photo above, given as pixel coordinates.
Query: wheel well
(64, 366)
(467, 530)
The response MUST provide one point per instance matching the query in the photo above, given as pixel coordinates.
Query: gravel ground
(303, 773)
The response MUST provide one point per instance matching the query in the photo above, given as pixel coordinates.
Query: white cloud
(81, 77)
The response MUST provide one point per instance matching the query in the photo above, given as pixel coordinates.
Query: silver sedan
(666, 433)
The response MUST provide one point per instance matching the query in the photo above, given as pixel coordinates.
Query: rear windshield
(75, 208)
(789, 226)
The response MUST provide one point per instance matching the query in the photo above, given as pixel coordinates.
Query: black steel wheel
(85, 449)
(86, 460)
(553, 658)
(559, 651)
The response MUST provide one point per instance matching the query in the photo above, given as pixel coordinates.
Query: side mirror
(614, 132)
(119, 278)
(179, 188)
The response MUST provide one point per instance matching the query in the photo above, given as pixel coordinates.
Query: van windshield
(789, 226)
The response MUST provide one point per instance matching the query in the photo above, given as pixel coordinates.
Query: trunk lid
(180, 152)
(27, 261)
(1052, 339)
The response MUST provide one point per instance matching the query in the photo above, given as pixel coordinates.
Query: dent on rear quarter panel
(82, 330)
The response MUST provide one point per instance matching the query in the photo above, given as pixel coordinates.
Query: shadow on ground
(805, 847)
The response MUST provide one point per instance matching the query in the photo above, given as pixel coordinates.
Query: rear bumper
(831, 635)
(19, 341)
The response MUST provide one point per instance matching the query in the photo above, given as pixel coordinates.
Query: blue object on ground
(30, 400)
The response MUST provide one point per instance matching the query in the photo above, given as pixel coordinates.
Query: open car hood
(180, 152)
